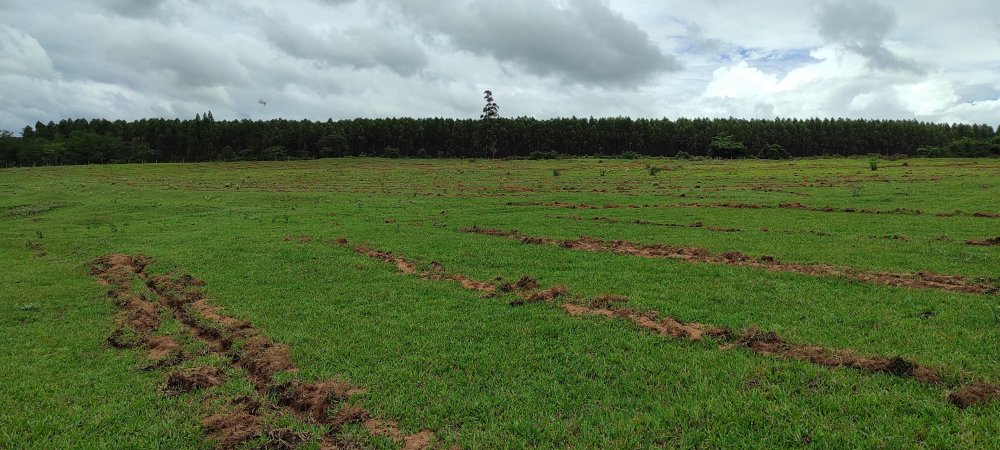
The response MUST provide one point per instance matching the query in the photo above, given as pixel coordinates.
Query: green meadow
(477, 371)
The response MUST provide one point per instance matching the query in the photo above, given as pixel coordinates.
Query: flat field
(501, 304)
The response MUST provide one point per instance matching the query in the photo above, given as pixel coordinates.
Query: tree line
(203, 138)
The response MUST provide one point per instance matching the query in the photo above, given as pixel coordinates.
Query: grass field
(450, 366)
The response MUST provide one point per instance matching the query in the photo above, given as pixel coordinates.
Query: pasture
(586, 303)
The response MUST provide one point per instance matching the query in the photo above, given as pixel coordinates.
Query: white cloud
(20, 54)
(129, 59)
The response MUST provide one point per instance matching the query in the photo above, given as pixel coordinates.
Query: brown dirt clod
(349, 414)
(418, 441)
(992, 242)
(231, 429)
(162, 348)
(545, 295)
(313, 400)
(236, 341)
(606, 301)
(187, 380)
(973, 394)
(922, 279)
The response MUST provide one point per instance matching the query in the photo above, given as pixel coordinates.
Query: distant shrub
(725, 146)
(537, 155)
(682, 155)
(974, 148)
(629, 155)
(774, 151)
(873, 164)
(274, 153)
(654, 170)
(556, 172)
(933, 152)
(391, 152)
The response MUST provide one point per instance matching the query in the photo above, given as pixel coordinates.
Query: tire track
(751, 339)
(246, 353)
(920, 279)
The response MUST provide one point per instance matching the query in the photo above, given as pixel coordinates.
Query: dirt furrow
(714, 228)
(526, 287)
(751, 339)
(991, 242)
(920, 279)
(244, 349)
(794, 205)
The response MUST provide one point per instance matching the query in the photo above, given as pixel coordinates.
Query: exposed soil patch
(770, 344)
(525, 283)
(716, 229)
(313, 400)
(237, 343)
(975, 393)
(900, 211)
(992, 242)
(795, 205)
(526, 287)
(187, 380)
(163, 351)
(752, 339)
(545, 295)
(921, 279)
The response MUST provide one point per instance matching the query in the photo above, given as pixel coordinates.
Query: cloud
(128, 59)
(21, 54)
(862, 27)
(356, 47)
(582, 41)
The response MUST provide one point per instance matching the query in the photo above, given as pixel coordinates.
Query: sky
(929, 60)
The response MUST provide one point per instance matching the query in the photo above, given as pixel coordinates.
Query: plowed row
(246, 352)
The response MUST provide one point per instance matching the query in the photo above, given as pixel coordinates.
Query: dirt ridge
(752, 339)
(241, 346)
(792, 205)
(920, 279)
(526, 287)
(991, 242)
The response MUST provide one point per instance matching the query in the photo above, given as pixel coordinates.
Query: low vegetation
(549, 303)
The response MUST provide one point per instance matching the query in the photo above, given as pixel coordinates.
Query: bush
(274, 153)
(682, 155)
(227, 153)
(933, 152)
(391, 152)
(654, 170)
(774, 151)
(873, 164)
(726, 147)
(629, 155)
(974, 148)
(537, 155)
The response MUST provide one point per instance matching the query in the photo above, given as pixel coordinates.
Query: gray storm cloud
(582, 41)
(862, 27)
(356, 47)
(129, 59)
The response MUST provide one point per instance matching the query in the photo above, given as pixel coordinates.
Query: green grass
(480, 373)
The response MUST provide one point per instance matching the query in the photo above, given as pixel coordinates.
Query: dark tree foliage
(726, 147)
(774, 151)
(81, 141)
(491, 110)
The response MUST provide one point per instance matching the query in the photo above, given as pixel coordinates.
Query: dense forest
(205, 139)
